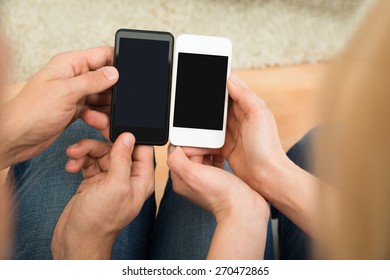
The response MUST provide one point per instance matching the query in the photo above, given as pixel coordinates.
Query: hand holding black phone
(141, 97)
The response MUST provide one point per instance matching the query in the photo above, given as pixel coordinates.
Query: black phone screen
(200, 91)
(141, 95)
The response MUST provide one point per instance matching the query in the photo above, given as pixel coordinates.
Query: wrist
(78, 246)
(267, 180)
(291, 190)
(3, 161)
(243, 208)
(243, 228)
(8, 140)
(13, 146)
(5, 148)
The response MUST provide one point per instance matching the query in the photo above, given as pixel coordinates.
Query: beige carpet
(264, 32)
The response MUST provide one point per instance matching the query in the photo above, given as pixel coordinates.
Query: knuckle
(83, 142)
(93, 78)
(242, 90)
(56, 58)
(259, 106)
(267, 113)
(120, 156)
(261, 103)
(108, 50)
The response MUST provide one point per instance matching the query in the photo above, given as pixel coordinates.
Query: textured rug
(264, 32)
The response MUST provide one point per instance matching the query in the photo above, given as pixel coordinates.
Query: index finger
(97, 120)
(246, 99)
(190, 151)
(91, 147)
(75, 63)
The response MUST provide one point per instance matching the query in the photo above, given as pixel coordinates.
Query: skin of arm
(9, 93)
(6, 218)
(291, 190)
(241, 234)
(12, 90)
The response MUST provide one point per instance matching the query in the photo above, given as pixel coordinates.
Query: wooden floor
(290, 92)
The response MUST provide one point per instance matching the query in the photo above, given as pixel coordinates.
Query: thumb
(120, 157)
(189, 171)
(91, 82)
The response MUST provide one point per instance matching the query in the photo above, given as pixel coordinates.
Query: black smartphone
(141, 97)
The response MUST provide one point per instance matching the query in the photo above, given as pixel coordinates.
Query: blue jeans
(181, 229)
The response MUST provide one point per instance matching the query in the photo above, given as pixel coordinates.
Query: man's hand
(117, 181)
(68, 85)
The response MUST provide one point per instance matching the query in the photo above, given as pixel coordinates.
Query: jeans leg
(294, 243)
(182, 229)
(44, 188)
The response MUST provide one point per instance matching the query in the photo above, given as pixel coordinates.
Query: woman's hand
(255, 154)
(252, 145)
(117, 181)
(241, 213)
(54, 97)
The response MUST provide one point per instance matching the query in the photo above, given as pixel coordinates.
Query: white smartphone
(199, 96)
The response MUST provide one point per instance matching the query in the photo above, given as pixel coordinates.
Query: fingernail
(71, 162)
(128, 141)
(171, 148)
(236, 80)
(111, 73)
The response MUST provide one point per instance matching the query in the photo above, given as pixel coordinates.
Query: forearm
(12, 90)
(6, 154)
(294, 192)
(77, 248)
(240, 236)
(4, 150)
(6, 217)
(9, 150)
